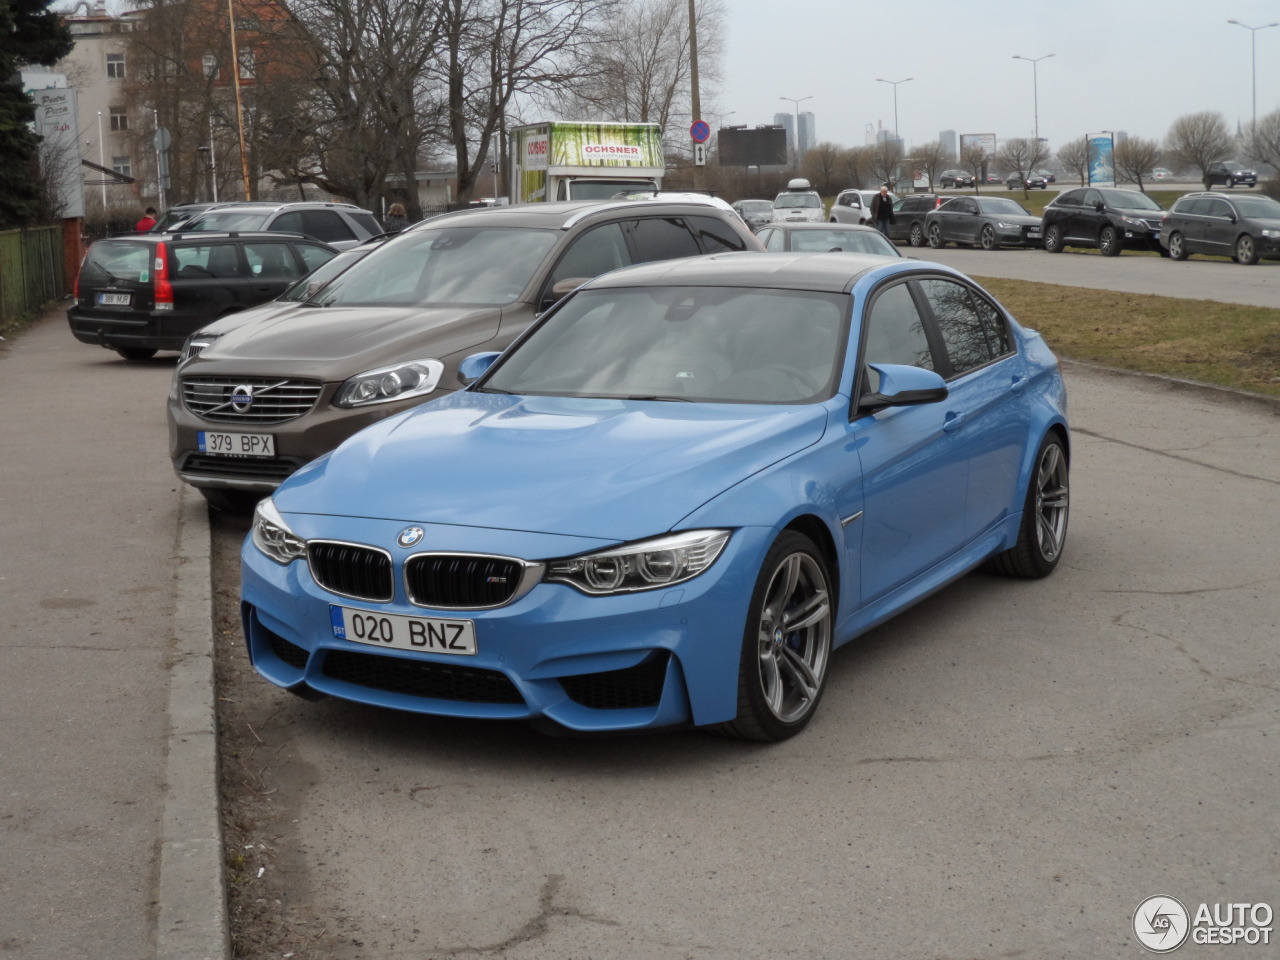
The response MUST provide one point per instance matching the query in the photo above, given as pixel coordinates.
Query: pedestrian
(395, 220)
(147, 222)
(882, 209)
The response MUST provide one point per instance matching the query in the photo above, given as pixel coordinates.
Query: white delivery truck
(584, 160)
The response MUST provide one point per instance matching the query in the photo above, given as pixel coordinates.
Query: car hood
(1021, 219)
(243, 318)
(333, 342)
(607, 469)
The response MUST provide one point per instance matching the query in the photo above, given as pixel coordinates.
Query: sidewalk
(108, 811)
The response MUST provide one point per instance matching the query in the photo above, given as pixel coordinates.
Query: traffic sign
(700, 131)
(699, 154)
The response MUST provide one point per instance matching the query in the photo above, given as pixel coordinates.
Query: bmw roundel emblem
(410, 536)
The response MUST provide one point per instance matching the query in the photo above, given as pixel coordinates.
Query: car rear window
(227, 220)
(117, 260)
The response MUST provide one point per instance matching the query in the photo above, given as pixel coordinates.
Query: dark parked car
(1229, 173)
(754, 213)
(825, 238)
(955, 178)
(1246, 228)
(340, 225)
(992, 178)
(987, 222)
(388, 333)
(142, 292)
(1107, 218)
(908, 218)
(1034, 181)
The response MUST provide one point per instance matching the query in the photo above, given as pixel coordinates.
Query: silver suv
(854, 206)
(340, 225)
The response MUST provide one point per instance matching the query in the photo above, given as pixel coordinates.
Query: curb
(191, 895)
(1263, 400)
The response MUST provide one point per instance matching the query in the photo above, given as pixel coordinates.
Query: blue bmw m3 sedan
(670, 500)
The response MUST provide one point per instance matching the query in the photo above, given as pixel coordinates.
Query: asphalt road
(1007, 770)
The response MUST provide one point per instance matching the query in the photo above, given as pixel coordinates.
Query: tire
(1177, 246)
(987, 239)
(935, 237)
(786, 644)
(915, 236)
(1246, 249)
(1230, 183)
(231, 501)
(1109, 242)
(1053, 238)
(1042, 535)
(135, 353)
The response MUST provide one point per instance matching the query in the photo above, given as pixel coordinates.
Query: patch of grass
(1226, 344)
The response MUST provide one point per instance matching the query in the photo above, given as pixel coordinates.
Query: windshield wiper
(656, 397)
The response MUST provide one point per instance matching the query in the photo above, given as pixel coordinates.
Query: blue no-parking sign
(700, 131)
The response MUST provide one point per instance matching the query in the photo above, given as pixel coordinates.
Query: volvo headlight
(272, 535)
(400, 381)
(195, 345)
(643, 565)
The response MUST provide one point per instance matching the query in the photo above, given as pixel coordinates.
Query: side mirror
(476, 366)
(902, 386)
(560, 290)
(1100, 206)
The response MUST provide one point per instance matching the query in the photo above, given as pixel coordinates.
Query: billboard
(761, 147)
(1101, 166)
(987, 141)
(60, 149)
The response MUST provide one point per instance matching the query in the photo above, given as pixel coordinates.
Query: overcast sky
(1133, 65)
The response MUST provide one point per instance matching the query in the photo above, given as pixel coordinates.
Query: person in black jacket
(395, 220)
(882, 209)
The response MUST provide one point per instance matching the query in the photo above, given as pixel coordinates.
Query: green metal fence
(31, 271)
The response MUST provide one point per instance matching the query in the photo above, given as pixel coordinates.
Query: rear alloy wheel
(935, 237)
(988, 238)
(1246, 249)
(1109, 242)
(135, 353)
(916, 235)
(1043, 531)
(1177, 247)
(786, 644)
(1053, 238)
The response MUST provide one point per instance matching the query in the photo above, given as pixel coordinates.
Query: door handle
(1018, 383)
(952, 420)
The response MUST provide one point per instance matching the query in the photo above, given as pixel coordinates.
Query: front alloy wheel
(1246, 249)
(935, 236)
(988, 238)
(1109, 242)
(1043, 531)
(786, 644)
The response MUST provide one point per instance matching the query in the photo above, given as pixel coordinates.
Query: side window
(963, 330)
(776, 241)
(716, 236)
(312, 255)
(965, 206)
(1091, 197)
(845, 199)
(271, 261)
(1072, 198)
(1219, 208)
(367, 222)
(662, 238)
(206, 260)
(592, 253)
(895, 331)
(325, 225)
(289, 223)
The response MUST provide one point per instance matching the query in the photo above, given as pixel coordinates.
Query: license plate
(115, 299)
(237, 444)
(1033, 233)
(424, 634)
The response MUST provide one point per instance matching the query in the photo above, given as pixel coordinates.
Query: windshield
(609, 190)
(226, 220)
(308, 286)
(1128, 200)
(454, 265)
(797, 200)
(753, 207)
(705, 344)
(1003, 205)
(847, 241)
(1263, 207)
(1232, 165)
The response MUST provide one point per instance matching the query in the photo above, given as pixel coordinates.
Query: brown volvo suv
(250, 403)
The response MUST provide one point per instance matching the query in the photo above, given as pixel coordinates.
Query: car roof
(563, 214)
(842, 227)
(822, 272)
(204, 236)
(270, 206)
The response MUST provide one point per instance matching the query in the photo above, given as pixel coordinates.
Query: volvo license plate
(236, 444)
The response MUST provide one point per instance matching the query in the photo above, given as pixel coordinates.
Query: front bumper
(652, 659)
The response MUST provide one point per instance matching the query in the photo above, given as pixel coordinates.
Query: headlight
(195, 345)
(1273, 234)
(272, 535)
(644, 565)
(414, 378)
(1006, 226)
(1135, 222)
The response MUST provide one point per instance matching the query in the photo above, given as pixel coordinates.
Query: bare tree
(1198, 140)
(885, 159)
(1074, 157)
(822, 167)
(1264, 139)
(1134, 160)
(855, 166)
(973, 159)
(1022, 155)
(929, 159)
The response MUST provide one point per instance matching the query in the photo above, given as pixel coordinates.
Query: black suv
(341, 225)
(1243, 227)
(1102, 217)
(955, 178)
(142, 292)
(908, 218)
(1229, 173)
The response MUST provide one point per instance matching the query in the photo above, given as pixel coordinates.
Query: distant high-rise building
(950, 143)
(1120, 136)
(807, 130)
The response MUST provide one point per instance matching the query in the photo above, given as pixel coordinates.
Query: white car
(854, 206)
(799, 203)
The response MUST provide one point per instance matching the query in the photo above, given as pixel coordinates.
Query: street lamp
(895, 101)
(1035, 85)
(797, 102)
(1253, 52)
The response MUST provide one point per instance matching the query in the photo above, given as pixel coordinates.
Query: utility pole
(699, 180)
